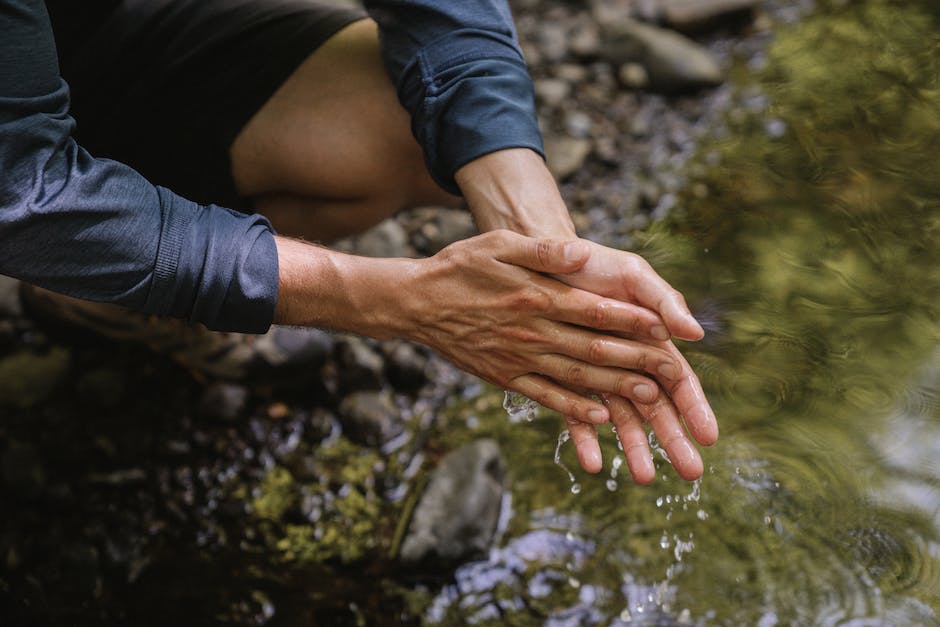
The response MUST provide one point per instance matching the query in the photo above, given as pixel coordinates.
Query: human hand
(487, 305)
(628, 277)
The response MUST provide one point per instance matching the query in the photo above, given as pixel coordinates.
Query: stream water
(807, 245)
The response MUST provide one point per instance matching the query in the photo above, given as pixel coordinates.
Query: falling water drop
(519, 407)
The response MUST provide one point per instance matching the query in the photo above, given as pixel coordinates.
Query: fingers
(664, 419)
(633, 440)
(578, 374)
(687, 395)
(540, 254)
(589, 310)
(564, 401)
(652, 291)
(584, 437)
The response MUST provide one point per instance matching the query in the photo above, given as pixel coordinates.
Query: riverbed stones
(456, 517)
(673, 62)
(369, 417)
(566, 155)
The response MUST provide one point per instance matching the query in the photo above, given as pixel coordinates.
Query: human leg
(331, 152)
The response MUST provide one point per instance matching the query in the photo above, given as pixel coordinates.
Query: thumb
(546, 255)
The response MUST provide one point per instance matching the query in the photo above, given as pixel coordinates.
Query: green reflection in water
(813, 263)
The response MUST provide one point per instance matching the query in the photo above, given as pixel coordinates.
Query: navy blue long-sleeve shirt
(96, 229)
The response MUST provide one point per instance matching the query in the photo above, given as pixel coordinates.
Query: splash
(520, 407)
(563, 437)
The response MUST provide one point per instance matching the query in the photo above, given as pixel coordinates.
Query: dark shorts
(165, 86)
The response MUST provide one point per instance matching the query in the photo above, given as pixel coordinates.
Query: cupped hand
(487, 305)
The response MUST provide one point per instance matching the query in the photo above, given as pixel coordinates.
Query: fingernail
(669, 371)
(660, 333)
(644, 391)
(597, 415)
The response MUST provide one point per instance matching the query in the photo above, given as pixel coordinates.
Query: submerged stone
(455, 520)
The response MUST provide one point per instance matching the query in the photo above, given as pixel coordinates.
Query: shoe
(281, 353)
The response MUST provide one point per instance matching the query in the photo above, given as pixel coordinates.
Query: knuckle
(597, 350)
(575, 374)
(601, 315)
(544, 250)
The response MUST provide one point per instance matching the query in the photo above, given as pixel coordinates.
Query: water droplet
(664, 542)
(659, 502)
(574, 583)
(611, 485)
(702, 514)
(575, 488)
(519, 407)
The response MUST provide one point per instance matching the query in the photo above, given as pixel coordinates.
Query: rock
(360, 366)
(387, 239)
(10, 298)
(447, 226)
(566, 155)
(28, 378)
(223, 401)
(692, 16)
(551, 92)
(552, 41)
(456, 517)
(404, 365)
(572, 73)
(578, 124)
(674, 63)
(634, 76)
(370, 418)
(585, 38)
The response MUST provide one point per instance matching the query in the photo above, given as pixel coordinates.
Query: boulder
(456, 517)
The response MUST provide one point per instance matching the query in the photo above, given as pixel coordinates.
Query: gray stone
(223, 401)
(566, 155)
(457, 515)
(673, 62)
(585, 38)
(405, 365)
(691, 16)
(447, 226)
(386, 239)
(551, 92)
(633, 75)
(552, 42)
(370, 418)
(360, 366)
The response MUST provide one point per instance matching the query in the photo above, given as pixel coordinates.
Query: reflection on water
(813, 260)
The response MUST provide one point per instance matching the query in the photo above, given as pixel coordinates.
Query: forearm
(513, 189)
(328, 289)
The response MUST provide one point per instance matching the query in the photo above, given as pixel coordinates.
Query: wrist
(513, 189)
(328, 289)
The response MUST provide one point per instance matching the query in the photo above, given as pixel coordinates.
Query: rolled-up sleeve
(96, 229)
(460, 72)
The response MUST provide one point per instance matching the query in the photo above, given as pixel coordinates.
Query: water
(810, 251)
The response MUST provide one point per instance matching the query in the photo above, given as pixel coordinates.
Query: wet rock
(28, 378)
(10, 298)
(223, 401)
(360, 366)
(673, 62)
(456, 517)
(405, 365)
(566, 155)
(691, 16)
(370, 418)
